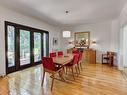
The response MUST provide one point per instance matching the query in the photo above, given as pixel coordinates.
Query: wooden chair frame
(52, 75)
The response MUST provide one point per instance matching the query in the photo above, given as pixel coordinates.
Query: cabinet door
(89, 56)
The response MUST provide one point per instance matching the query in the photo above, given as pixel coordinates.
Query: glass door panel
(37, 47)
(11, 46)
(24, 47)
(44, 45)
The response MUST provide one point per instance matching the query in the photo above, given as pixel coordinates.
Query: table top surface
(62, 60)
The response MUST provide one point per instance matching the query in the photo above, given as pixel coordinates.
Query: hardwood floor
(124, 73)
(95, 79)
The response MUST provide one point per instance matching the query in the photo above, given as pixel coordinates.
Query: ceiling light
(66, 34)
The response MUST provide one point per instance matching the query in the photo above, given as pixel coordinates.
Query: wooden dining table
(62, 61)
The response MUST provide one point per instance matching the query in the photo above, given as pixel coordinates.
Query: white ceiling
(80, 11)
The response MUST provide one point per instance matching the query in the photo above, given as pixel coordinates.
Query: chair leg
(102, 59)
(52, 82)
(43, 78)
(72, 72)
(81, 65)
(78, 68)
(66, 70)
(61, 74)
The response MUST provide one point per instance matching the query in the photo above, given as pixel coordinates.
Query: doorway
(125, 46)
(25, 46)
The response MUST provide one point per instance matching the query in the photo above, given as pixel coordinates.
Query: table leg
(61, 74)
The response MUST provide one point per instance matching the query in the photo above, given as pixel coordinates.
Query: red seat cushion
(48, 63)
(53, 54)
(60, 53)
(74, 61)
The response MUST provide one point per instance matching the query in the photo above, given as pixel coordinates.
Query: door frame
(17, 27)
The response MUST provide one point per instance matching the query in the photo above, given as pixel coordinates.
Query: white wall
(122, 24)
(104, 33)
(12, 16)
(115, 40)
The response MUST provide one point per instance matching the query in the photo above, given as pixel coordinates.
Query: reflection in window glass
(37, 47)
(44, 44)
(11, 46)
(24, 47)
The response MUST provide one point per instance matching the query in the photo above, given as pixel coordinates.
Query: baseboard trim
(2, 75)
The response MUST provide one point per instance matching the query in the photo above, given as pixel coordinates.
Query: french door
(25, 46)
(37, 47)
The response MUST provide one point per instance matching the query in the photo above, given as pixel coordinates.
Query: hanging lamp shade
(66, 34)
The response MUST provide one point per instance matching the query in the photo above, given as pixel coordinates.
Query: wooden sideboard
(89, 55)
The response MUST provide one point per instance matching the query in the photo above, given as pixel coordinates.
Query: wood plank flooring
(95, 79)
(124, 73)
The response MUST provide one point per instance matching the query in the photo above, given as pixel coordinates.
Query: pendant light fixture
(66, 33)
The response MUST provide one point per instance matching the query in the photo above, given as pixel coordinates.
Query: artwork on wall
(55, 41)
(82, 39)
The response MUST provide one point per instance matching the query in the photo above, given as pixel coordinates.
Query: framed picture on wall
(55, 41)
(82, 39)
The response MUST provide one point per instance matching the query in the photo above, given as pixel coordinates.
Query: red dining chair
(73, 64)
(49, 67)
(60, 53)
(80, 60)
(78, 63)
(53, 54)
(75, 51)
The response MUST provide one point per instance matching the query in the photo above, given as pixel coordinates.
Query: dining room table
(61, 61)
